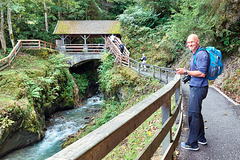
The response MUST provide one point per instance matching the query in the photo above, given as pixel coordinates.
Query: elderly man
(198, 91)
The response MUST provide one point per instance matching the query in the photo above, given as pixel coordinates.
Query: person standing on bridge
(198, 92)
(144, 60)
(112, 38)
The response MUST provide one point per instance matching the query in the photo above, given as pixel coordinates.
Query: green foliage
(33, 87)
(207, 19)
(29, 22)
(232, 74)
(111, 79)
(5, 122)
(82, 83)
(131, 147)
(143, 31)
(138, 16)
(161, 8)
(122, 87)
(43, 53)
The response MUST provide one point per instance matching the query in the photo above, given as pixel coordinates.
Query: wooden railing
(33, 44)
(113, 47)
(161, 73)
(101, 141)
(97, 144)
(82, 48)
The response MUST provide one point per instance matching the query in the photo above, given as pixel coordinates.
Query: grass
(131, 146)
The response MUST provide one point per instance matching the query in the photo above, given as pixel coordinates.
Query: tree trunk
(2, 37)
(59, 12)
(10, 26)
(45, 14)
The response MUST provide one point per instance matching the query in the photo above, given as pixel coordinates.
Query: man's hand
(180, 71)
(191, 73)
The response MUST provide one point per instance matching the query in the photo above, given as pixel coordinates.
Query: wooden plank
(100, 142)
(155, 142)
(30, 44)
(74, 46)
(5, 58)
(168, 154)
(18, 47)
(4, 66)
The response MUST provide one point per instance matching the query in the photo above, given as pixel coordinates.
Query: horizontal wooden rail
(31, 44)
(84, 48)
(161, 73)
(114, 49)
(97, 144)
(101, 141)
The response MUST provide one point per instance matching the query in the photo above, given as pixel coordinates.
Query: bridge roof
(90, 27)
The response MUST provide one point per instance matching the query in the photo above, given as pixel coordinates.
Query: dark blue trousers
(195, 119)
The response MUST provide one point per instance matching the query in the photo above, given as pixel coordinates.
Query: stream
(60, 126)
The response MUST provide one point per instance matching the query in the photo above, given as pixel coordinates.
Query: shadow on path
(222, 128)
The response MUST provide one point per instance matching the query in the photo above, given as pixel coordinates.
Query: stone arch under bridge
(78, 59)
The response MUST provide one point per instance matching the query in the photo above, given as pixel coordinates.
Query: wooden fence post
(166, 77)
(177, 96)
(129, 63)
(166, 112)
(138, 67)
(153, 71)
(9, 61)
(160, 74)
(39, 44)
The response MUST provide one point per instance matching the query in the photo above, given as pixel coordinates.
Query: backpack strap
(195, 57)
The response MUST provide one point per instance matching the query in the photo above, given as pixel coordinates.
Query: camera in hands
(186, 78)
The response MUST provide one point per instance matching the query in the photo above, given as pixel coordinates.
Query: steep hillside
(229, 81)
(36, 85)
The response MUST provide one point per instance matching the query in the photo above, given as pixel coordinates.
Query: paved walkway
(222, 128)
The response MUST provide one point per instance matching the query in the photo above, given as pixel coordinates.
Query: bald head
(193, 37)
(193, 42)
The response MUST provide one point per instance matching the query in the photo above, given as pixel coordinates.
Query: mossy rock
(37, 85)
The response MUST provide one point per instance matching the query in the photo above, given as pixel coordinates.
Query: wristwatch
(185, 73)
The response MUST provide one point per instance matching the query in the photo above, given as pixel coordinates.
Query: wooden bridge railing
(113, 47)
(97, 144)
(34, 44)
(101, 141)
(82, 48)
(161, 73)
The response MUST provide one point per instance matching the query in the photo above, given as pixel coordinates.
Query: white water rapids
(62, 125)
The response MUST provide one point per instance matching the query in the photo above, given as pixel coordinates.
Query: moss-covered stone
(35, 86)
(122, 88)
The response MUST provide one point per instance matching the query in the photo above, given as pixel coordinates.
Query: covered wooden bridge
(87, 36)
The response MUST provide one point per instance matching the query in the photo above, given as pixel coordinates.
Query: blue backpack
(216, 63)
